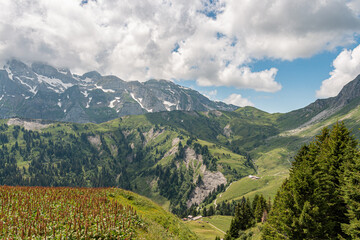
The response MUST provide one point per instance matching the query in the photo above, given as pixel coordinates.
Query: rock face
(41, 91)
(210, 181)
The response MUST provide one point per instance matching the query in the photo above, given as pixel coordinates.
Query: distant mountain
(177, 158)
(41, 91)
(322, 108)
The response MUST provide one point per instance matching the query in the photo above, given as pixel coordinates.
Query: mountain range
(41, 91)
(194, 153)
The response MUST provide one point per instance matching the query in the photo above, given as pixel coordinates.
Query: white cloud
(354, 5)
(287, 29)
(135, 39)
(244, 78)
(346, 68)
(238, 100)
(210, 94)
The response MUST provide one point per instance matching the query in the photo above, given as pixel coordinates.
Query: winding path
(216, 228)
(221, 195)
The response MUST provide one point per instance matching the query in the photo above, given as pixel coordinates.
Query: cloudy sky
(276, 55)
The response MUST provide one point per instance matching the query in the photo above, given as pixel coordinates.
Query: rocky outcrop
(210, 181)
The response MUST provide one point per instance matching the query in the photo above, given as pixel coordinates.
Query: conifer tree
(242, 220)
(310, 203)
(351, 191)
(259, 207)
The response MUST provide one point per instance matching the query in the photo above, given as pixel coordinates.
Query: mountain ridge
(321, 108)
(42, 91)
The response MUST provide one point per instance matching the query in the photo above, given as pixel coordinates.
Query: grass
(246, 187)
(229, 158)
(209, 227)
(145, 188)
(219, 221)
(273, 162)
(160, 223)
(204, 230)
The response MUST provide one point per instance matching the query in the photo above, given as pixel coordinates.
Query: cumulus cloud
(211, 42)
(238, 100)
(346, 68)
(244, 78)
(210, 94)
(287, 29)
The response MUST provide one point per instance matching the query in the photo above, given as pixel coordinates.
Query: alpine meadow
(170, 119)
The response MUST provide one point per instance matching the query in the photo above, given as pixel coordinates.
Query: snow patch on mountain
(87, 80)
(186, 88)
(139, 100)
(88, 103)
(10, 74)
(104, 90)
(57, 85)
(168, 105)
(31, 89)
(85, 93)
(170, 90)
(62, 71)
(112, 103)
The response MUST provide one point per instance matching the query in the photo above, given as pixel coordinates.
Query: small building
(254, 177)
(197, 218)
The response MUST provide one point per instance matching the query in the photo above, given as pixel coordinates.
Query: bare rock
(210, 181)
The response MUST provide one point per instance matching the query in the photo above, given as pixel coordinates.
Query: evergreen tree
(259, 207)
(211, 211)
(351, 190)
(205, 212)
(242, 220)
(310, 204)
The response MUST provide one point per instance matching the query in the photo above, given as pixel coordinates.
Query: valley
(183, 160)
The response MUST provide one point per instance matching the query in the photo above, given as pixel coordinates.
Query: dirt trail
(221, 194)
(217, 228)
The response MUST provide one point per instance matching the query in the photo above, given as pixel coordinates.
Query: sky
(275, 55)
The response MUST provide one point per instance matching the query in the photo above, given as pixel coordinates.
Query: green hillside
(274, 157)
(85, 213)
(169, 157)
(163, 162)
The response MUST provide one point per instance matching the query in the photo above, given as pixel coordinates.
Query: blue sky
(276, 55)
(300, 78)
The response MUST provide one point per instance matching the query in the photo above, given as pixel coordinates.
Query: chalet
(254, 177)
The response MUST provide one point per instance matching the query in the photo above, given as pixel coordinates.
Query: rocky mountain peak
(349, 92)
(45, 92)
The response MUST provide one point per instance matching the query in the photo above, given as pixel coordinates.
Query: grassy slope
(209, 227)
(204, 230)
(252, 131)
(221, 222)
(156, 146)
(159, 224)
(274, 158)
(79, 210)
